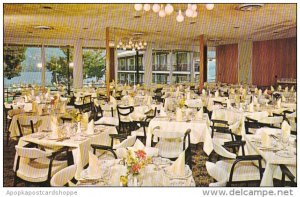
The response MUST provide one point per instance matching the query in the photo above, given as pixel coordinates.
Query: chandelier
(190, 12)
(132, 44)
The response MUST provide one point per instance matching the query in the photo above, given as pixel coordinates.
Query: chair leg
(15, 180)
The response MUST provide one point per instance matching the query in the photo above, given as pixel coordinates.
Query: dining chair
(7, 119)
(111, 152)
(25, 129)
(125, 123)
(141, 131)
(64, 177)
(286, 172)
(39, 167)
(234, 169)
(171, 144)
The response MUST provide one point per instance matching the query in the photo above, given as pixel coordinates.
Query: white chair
(114, 151)
(233, 168)
(64, 177)
(36, 166)
(171, 144)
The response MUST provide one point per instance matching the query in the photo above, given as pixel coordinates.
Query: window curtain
(148, 65)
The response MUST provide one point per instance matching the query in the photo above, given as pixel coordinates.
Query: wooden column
(201, 63)
(112, 64)
(107, 74)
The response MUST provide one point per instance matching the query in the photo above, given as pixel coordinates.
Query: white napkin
(217, 94)
(85, 120)
(93, 169)
(279, 103)
(265, 139)
(162, 112)
(199, 114)
(272, 89)
(229, 104)
(90, 128)
(286, 129)
(279, 88)
(256, 91)
(113, 100)
(203, 92)
(179, 116)
(266, 92)
(283, 98)
(286, 89)
(292, 89)
(178, 167)
(32, 92)
(259, 92)
(255, 100)
(251, 107)
(26, 99)
(54, 126)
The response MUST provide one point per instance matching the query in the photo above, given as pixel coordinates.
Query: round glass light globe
(169, 9)
(147, 7)
(180, 18)
(156, 8)
(162, 13)
(189, 12)
(210, 6)
(138, 6)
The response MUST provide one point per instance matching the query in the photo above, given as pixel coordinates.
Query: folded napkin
(178, 167)
(259, 92)
(113, 100)
(26, 99)
(229, 104)
(272, 89)
(203, 92)
(85, 120)
(266, 92)
(292, 89)
(279, 88)
(199, 114)
(90, 127)
(232, 91)
(162, 112)
(251, 107)
(255, 100)
(265, 139)
(217, 94)
(93, 169)
(54, 126)
(279, 103)
(179, 115)
(286, 129)
(34, 106)
(32, 92)
(138, 145)
(286, 89)
(283, 98)
(256, 91)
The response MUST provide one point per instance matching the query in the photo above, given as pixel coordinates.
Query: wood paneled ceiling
(88, 22)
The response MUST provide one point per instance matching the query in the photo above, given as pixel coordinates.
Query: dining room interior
(150, 94)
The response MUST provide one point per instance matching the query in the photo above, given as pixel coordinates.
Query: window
(94, 66)
(211, 64)
(161, 67)
(22, 65)
(182, 67)
(122, 63)
(57, 66)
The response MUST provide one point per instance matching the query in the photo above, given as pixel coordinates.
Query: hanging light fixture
(195, 14)
(156, 8)
(194, 7)
(162, 12)
(138, 6)
(147, 7)
(169, 9)
(210, 6)
(189, 11)
(180, 17)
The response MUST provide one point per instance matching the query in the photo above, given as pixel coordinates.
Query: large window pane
(22, 66)
(57, 66)
(211, 64)
(94, 67)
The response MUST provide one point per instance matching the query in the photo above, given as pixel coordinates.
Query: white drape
(148, 65)
(116, 65)
(43, 65)
(78, 65)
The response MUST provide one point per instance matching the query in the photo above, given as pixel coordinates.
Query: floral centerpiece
(135, 162)
(181, 103)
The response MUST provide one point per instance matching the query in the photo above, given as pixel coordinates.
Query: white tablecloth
(200, 130)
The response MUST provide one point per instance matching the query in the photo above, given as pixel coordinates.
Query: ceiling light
(210, 6)
(120, 43)
(118, 46)
(156, 8)
(39, 65)
(169, 9)
(145, 43)
(147, 7)
(189, 11)
(162, 12)
(138, 6)
(180, 17)
(194, 7)
(195, 14)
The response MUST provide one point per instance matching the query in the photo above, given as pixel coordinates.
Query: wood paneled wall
(227, 63)
(273, 58)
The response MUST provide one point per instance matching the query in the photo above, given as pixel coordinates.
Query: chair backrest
(127, 142)
(184, 137)
(63, 177)
(87, 99)
(30, 153)
(23, 128)
(124, 111)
